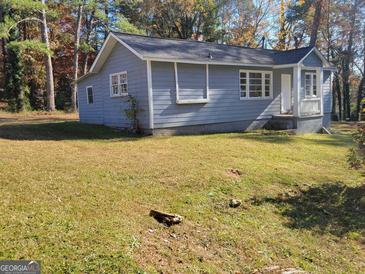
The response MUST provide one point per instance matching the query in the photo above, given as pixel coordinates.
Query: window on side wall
(255, 84)
(310, 84)
(118, 84)
(89, 95)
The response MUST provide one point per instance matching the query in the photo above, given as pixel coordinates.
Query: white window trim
(263, 72)
(191, 101)
(87, 94)
(311, 96)
(111, 86)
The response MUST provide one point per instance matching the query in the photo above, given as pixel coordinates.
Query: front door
(286, 94)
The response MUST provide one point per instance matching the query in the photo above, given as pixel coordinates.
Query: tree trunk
(85, 64)
(347, 61)
(48, 62)
(89, 28)
(282, 33)
(106, 12)
(3, 53)
(76, 56)
(337, 91)
(316, 22)
(360, 91)
(328, 29)
(359, 98)
(334, 99)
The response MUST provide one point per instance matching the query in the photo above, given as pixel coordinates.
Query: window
(311, 84)
(191, 83)
(118, 84)
(255, 84)
(90, 95)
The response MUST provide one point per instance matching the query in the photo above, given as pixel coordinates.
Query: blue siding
(110, 111)
(312, 60)
(224, 99)
(327, 92)
(92, 113)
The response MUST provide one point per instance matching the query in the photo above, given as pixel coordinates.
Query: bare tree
(48, 61)
(3, 51)
(360, 91)
(316, 22)
(347, 59)
(89, 24)
(76, 54)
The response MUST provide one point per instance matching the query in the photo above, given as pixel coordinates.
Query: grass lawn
(77, 198)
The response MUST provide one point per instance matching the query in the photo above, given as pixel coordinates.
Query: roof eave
(208, 62)
(325, 63)
(84, 76)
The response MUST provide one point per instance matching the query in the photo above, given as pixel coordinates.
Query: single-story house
(182, 86)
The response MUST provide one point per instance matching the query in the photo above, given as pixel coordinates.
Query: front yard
(77, 198)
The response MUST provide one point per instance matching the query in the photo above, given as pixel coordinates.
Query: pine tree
(25, 12)
(16, 90)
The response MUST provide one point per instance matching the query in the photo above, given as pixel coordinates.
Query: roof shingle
(178, 49)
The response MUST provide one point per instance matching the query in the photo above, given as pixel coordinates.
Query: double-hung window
(311, 84)
(118, 84)
(89, 95)
(255, 84)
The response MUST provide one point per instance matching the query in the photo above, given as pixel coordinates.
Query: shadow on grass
(69, 130)
(280, 138)
(328, 208)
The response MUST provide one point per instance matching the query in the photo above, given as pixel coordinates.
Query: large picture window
(311, 85)
(255, 84)
(118, 84)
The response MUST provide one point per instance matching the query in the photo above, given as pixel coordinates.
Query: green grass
(77, 198)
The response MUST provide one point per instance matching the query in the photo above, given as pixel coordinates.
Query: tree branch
(23, 20)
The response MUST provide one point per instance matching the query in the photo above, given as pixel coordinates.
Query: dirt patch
(278, 270)
(176, 249)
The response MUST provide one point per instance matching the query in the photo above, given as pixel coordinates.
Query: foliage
(356, 155)
(123, 25)
(32, 45)
(132, 113)
(181, 19)
(16, 90)
(63, 95)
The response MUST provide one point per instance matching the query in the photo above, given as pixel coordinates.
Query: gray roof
(290, 56)
(178, 49)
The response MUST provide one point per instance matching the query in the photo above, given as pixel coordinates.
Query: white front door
(286, 94)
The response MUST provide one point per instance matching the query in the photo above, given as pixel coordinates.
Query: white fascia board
(285, 66)
(127, 46)
(105, 49)
(84, 77)
(319, 54)
(186, 61)
(106, 43)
